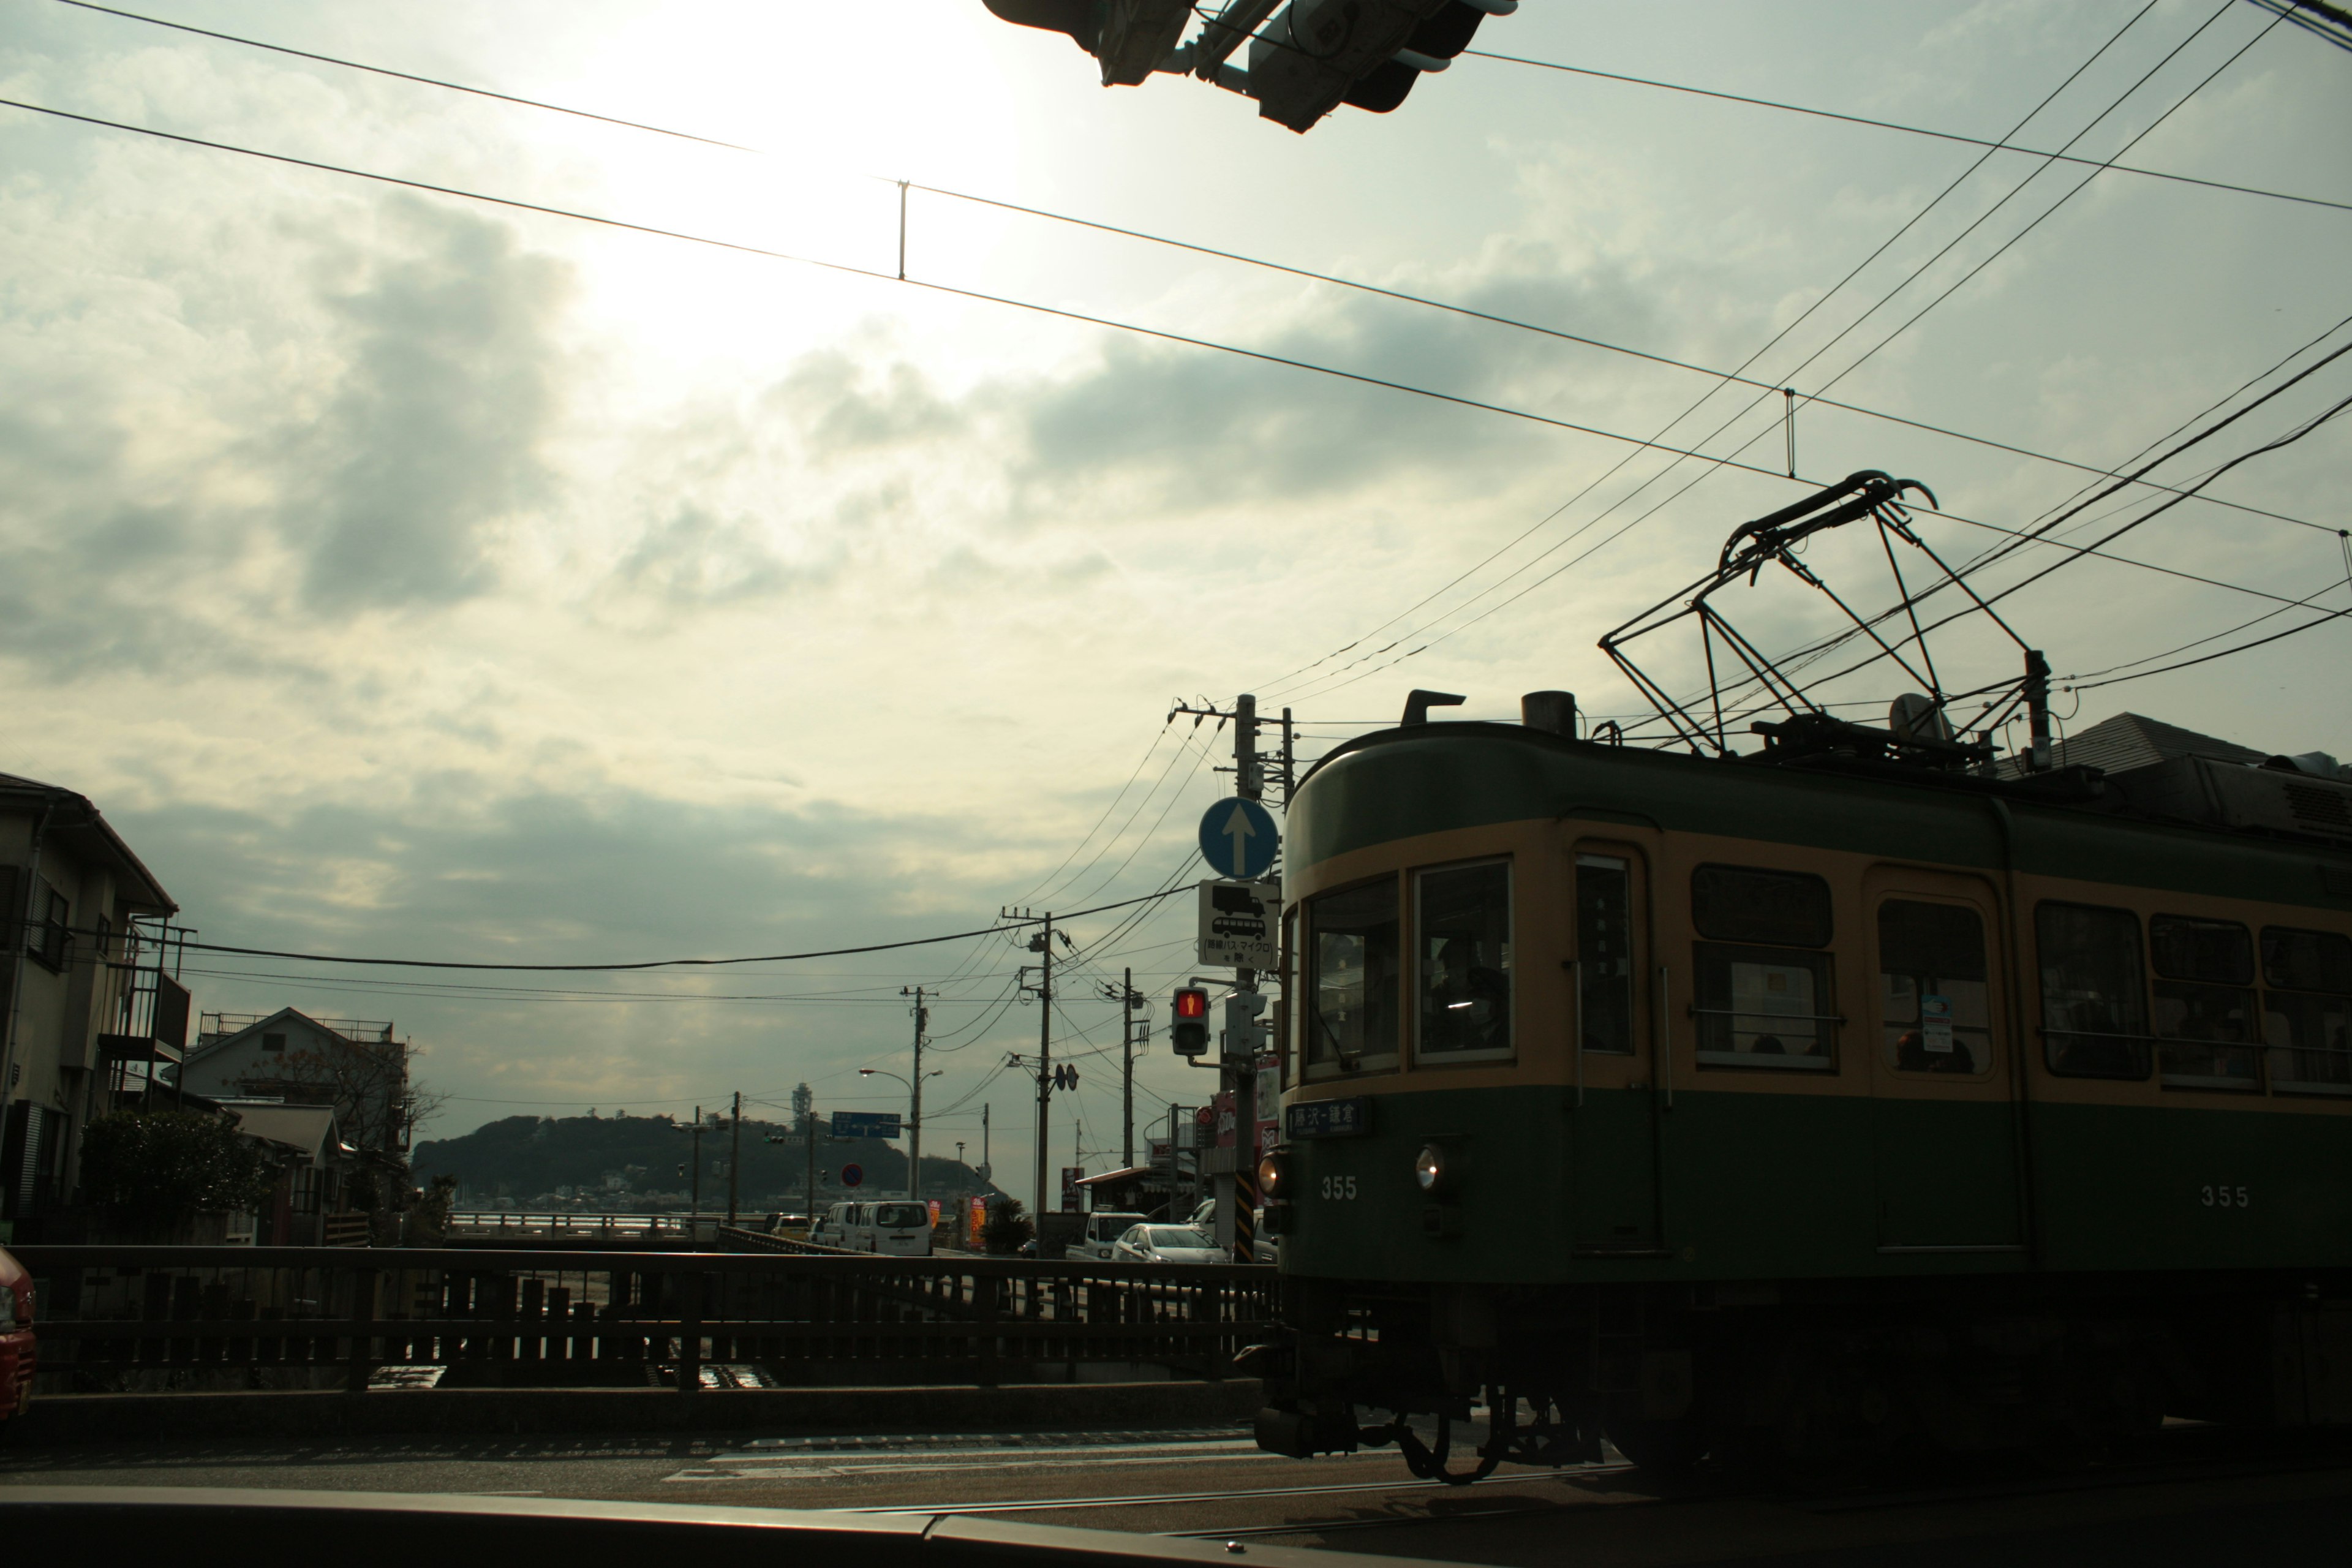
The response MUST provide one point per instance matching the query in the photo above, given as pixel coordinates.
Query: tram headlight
(1432, 1170)
(1273, 1173)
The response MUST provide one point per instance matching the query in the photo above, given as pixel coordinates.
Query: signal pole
(812, 1161)
(1126, 1064)
(1237, 1194)
(698, 1163)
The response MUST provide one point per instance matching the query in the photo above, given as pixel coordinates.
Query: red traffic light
(1191, 1003)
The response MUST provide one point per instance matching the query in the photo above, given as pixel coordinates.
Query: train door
(1944, 1130)
(1613, 1143)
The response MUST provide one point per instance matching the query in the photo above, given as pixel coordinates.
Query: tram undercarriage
(1802, 1382)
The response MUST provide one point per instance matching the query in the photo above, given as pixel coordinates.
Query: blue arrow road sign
(851, 1176)
(1238, 838)
(865, 1124)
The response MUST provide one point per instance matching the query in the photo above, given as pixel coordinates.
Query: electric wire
(1907, 129)
(1777, 338)
(1708, 471)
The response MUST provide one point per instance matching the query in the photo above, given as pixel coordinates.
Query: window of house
(49, 938)
(1351, 1008)
(1461, 927)
(1604, 953)
(1935, 1005)
(2204, 1002)
(2093, 995)
(273, 1042)
(2307, 1009)
(1763, 1000)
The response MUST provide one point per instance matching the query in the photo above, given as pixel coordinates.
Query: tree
(378, 1104)
(158, 1169)
(1006, 1227)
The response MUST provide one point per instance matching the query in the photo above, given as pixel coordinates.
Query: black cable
(1136, 233)
(2208, 659)
(404, 76)
(1907, 130)
(1728, 461)
(660, 963)
(1768, 345)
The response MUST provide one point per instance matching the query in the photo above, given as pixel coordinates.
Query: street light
(914, 1123)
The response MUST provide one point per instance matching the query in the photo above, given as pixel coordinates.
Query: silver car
(1167, 1244)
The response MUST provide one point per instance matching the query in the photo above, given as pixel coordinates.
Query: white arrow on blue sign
(1238, 838)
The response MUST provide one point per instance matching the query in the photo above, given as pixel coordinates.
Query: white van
(834, 1225)
(899, 1227)
(1102, 1233)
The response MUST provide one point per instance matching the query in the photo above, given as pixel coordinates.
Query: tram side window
(1604, 953)
(1463, 929)
(2204, 1002)
(1762, 1006)
(2094, 992)
(1351, 1009)
(2307, 1009)
(1934, 1006)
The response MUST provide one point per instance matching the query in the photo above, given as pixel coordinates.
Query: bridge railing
(122, 1317)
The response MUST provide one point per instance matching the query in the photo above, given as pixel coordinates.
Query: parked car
(899, 1229)
(1101, 1236)
(1263, 1248)
(16, 1337)
(1167, 1244)
(834, 1225)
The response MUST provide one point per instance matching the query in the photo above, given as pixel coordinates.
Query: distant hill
(525, 1159)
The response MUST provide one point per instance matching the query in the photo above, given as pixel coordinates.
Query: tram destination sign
(1350, 1118)
(1241, 925)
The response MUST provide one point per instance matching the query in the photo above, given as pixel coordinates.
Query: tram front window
(1463, 929)
(2204, 994)
(1351, 1011)
(2307, 1009)
(2093, 1006)
(1933, 1007)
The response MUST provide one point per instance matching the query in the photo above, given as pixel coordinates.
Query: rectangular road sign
(865, 1124)
(1241, 925)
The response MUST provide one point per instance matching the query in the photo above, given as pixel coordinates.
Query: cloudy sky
(413, 575)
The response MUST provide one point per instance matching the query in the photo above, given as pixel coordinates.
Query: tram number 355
(2222, 1197)
(1338, 1187)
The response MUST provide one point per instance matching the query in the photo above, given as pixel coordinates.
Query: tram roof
(1418, 779)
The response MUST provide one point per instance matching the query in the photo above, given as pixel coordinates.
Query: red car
(15, 1336)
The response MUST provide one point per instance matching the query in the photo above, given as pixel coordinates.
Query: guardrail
(587, 1227)
(118, 1317)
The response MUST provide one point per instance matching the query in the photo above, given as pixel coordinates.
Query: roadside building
(306, 1206)
(358, 1069)
(84, 1006)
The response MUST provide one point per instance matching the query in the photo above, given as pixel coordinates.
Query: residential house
(83, 1004)
(306, 1207)
(358, 1069)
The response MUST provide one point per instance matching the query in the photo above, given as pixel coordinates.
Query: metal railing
(116, 1317)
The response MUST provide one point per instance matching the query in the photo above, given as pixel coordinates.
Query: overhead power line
(1910, 129)
(1009, 924)
(1144, 237)
(850, 269)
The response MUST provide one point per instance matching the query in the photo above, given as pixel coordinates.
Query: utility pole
(1042, 944)
(1237, 1192)
(698, 1161)
(1130, 1002)
(1127, 1065)
(812, 1161)
(915, 1129)
(735, 1160)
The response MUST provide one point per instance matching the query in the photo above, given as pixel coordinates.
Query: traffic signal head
(1188, 1032)
(1246, 1036)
